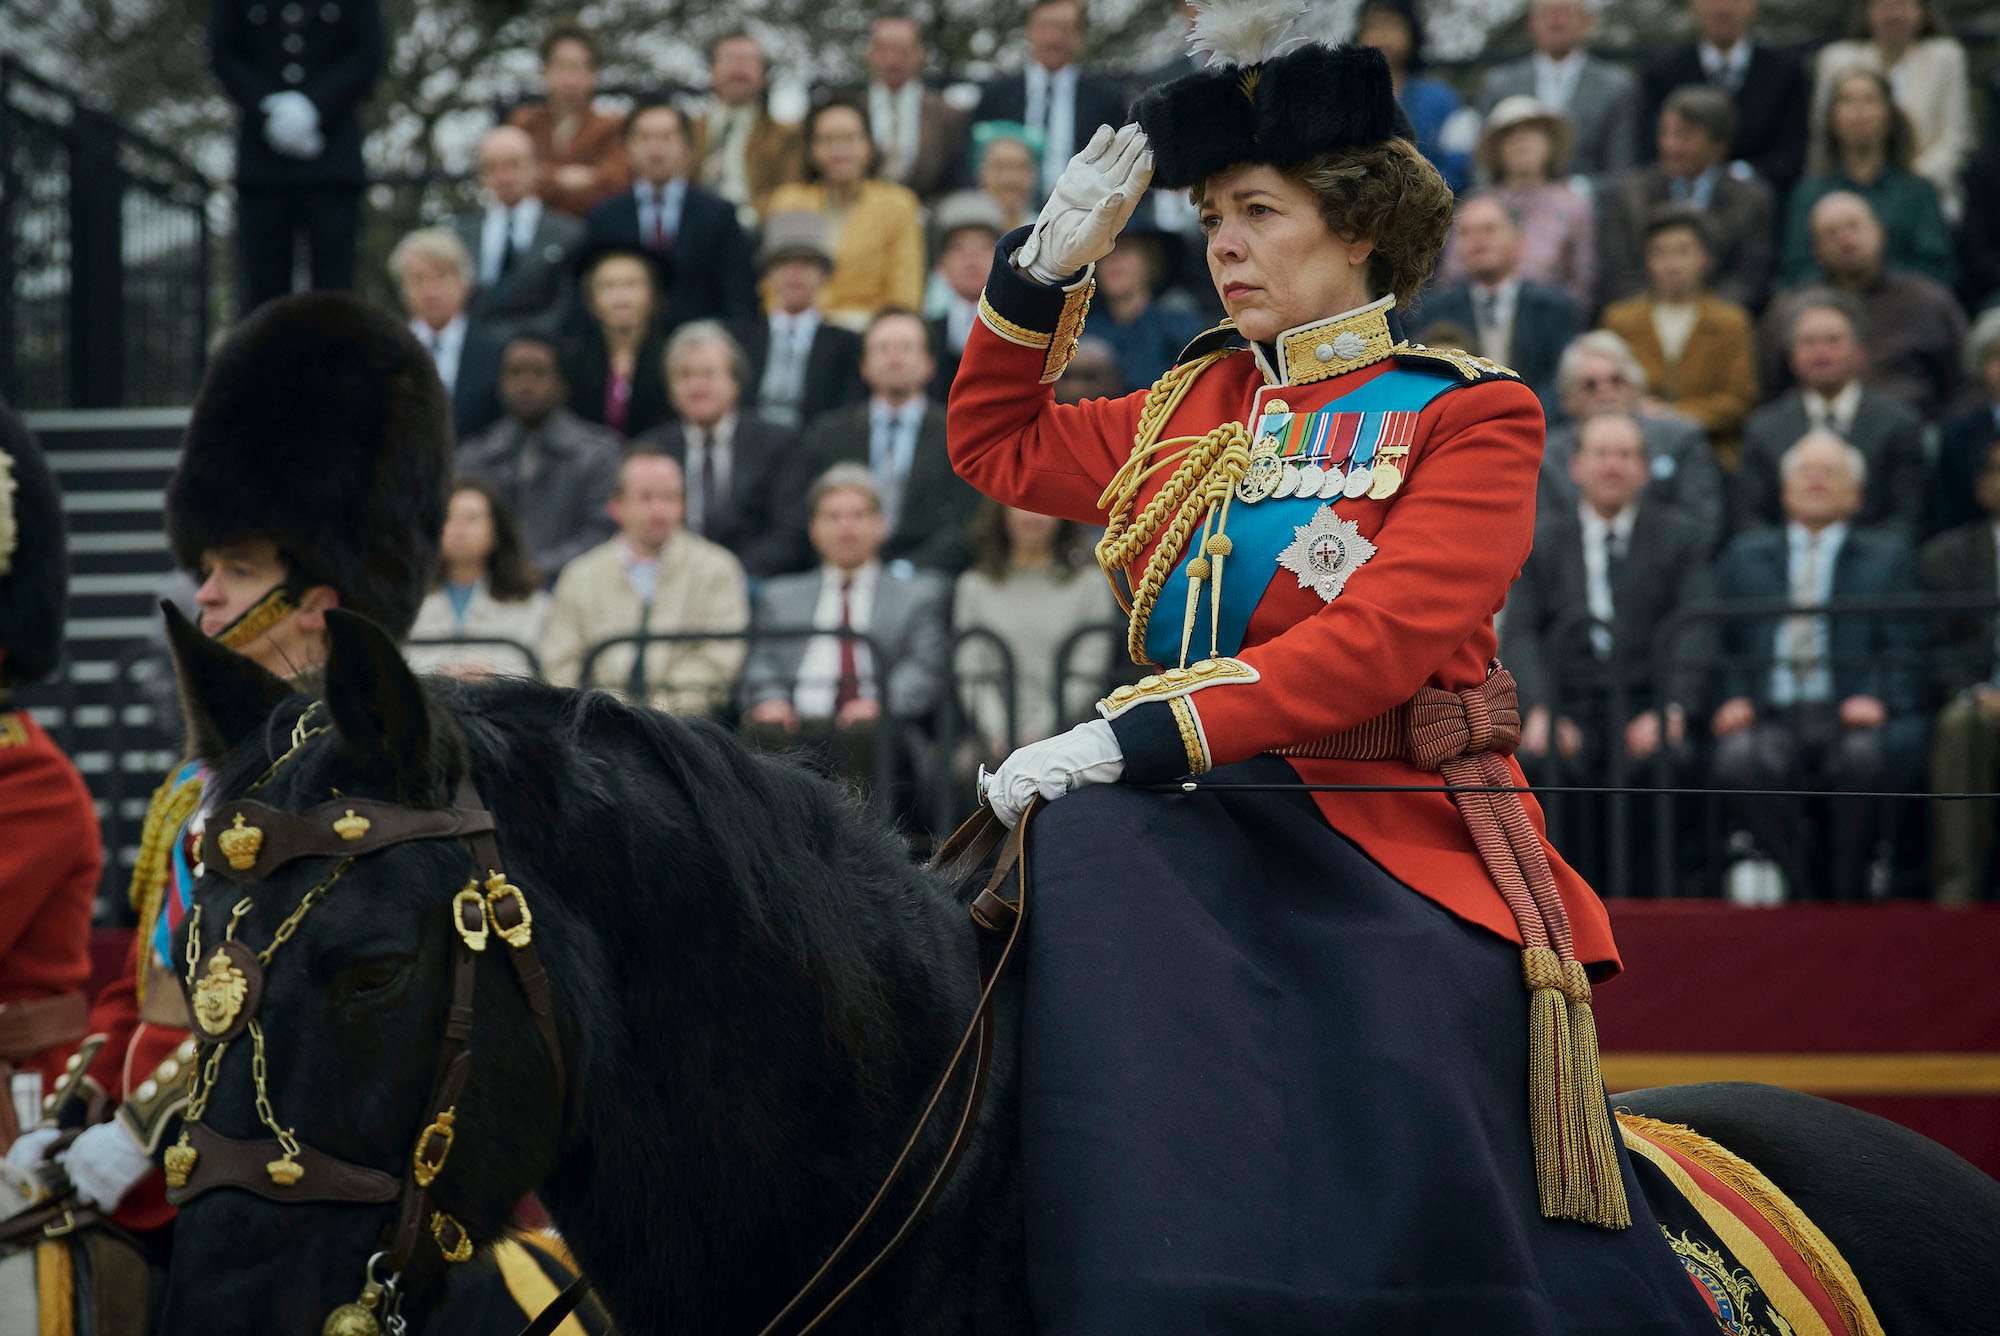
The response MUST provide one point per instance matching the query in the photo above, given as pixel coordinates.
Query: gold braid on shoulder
(1196, 496)
(171, 806)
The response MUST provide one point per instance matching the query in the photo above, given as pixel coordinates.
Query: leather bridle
(248, 841)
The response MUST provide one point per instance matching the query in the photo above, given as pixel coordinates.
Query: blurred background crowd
(699, 345)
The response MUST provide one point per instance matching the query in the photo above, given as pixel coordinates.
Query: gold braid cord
(171, 806)
(1195, 496)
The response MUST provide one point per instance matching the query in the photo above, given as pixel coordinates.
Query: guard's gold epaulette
(1223, 338)
(1469, 367)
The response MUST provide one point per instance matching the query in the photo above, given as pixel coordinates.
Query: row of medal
(1327, 455)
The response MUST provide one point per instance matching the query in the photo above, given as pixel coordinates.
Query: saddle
(1760, 1264)
(67, 1271)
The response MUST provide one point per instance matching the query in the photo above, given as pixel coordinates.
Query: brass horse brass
(240, 844)
(219, 994)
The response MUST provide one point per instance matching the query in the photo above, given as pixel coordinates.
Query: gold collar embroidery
(1333, 347)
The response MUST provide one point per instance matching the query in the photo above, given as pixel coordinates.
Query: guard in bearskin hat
(50, 857)
(1280, 1070)
(313, 475)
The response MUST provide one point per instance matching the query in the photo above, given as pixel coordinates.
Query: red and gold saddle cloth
(1762, 1266)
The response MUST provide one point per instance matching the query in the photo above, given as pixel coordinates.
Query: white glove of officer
(20, 1188)
(291, 124)
(1092, 201)
(1087, 754)
(105, 1163)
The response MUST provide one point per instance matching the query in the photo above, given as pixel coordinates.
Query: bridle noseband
(248, 841)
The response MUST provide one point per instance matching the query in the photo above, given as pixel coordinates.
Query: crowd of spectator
(699, 357)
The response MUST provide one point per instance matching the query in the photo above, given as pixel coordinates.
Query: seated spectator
(1767, 87)
(1033, 585)
(1813, 701)
(1827, 359)
(654, 578)
(521, 252)
(1862, 145)
(1598, 374)
(1053, 92)
(897, 433)
(1979, 227)
(1582, 630)
(1598, 98)
(1913, 329)
(1146, 336)
(1093, 373)
(614, 367)
(1521, 153)
(486, 589)
(1963, 445)
(745, 477)
(1694, 130)
(801, 364)
(1697, 348)
(579, 145)
(692, 230)
(1006, 157)
(432, 273)
(745, 152)
(1905, 42)
(967, 227)
(829, 690)
(554, 470)
(874, 230)
(1965, 745)
(1515, 322)
(1446, 128)
(917, 132)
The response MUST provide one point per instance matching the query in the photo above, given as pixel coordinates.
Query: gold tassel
(1198, 570)
(1603, 1185)
(55, 1288)
(1548, 1042)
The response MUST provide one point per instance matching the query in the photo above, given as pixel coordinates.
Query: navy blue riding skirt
(1267, 1088)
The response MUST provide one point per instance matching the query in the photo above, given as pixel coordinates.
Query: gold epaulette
(1469, 366)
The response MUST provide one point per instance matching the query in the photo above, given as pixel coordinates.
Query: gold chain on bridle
(1195, 497)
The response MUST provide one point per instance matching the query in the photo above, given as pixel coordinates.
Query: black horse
(755, 992)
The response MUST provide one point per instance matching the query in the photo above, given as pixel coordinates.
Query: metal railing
(104, 256)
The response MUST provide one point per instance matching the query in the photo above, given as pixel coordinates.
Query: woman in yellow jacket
(877, 234)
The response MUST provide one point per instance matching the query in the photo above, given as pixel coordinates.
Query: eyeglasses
(1601, 382)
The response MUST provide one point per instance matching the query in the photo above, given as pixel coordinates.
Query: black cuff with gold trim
(1025, 312)
(1150, 734)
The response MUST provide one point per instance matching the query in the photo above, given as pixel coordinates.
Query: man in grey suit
(520, 250)
(1824, 348)
(1598, 374)
(1600, 99)
(1521, 325)
(828, 690)
(555, 469)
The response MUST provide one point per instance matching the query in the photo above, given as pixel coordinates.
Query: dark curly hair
(1387, 193)
(510, 575)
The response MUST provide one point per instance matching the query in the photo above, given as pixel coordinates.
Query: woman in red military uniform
(1280, 1073)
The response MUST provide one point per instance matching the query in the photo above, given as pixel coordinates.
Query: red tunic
(50, 861)
(1449, 544)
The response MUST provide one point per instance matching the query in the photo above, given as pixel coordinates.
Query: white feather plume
(1246, 32)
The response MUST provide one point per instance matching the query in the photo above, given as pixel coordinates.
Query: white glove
(291, 124)
(1092, 201)
(1087, 754)
(20, 1185)
(105, 1163)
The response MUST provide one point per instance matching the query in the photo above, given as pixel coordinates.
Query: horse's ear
(378, 706)
(225, 697)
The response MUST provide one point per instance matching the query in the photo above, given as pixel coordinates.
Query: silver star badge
(1325, 552)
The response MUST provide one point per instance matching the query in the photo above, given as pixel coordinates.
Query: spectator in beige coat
(658, 575)
(488, 597)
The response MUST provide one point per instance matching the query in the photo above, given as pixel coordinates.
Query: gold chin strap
(264, 614)
(1196, 496)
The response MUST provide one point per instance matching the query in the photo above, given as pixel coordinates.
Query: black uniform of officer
(298, 72)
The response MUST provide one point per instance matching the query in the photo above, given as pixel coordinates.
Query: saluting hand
(1093, 200)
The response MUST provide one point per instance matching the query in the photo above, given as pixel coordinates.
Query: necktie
(661, 239)
(1802, 650)
(1614, 565)
(848, 688)
(711, 510)
(507, 252)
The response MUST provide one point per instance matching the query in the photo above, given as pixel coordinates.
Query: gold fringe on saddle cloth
(1462, 735)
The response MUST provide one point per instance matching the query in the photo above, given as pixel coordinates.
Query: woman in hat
(1523, 151)
(616, 370)
(1280, 1070)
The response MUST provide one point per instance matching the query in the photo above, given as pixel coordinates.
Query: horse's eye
(371, 977)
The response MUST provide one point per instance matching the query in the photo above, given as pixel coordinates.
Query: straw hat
(1511, 113)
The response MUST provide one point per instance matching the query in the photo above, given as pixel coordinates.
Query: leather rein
(248, 841)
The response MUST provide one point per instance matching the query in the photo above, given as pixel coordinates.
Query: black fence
(104, 257)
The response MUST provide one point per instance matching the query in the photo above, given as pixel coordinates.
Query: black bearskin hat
(1283, 111)
(34, 567)
(322, 426)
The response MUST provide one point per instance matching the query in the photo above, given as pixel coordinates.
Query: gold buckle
(475, 938)
(56, 1230)
(498, 888)
(424, 1169)
(453, 1252)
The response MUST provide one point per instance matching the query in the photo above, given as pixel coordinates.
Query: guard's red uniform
(1449, 543)
(50, 860)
